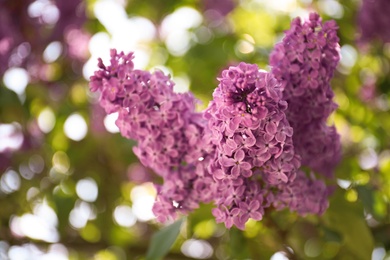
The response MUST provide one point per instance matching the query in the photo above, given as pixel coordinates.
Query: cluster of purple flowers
(245, 150)
(305, 195)
(373, 20)
(171, 136)
(253, 140)
(304, 63)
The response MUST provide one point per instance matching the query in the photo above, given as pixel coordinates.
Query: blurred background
(70, 186)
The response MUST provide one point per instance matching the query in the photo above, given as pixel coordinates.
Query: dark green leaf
(163, 240)
(238, 244)
(331, 235)
(347, 219)
(366, 196)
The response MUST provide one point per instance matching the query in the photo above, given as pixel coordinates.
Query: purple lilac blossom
(254, 143)
(305, 195)
(373, 20)
(304, 63)
(172, 138)
(244, 152)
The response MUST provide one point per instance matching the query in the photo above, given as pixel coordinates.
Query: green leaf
(238, 244)
(347, 219)
(366, 196)
(331, 235)
(163, 240)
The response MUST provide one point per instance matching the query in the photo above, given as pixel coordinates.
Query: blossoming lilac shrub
(171, 136)
(304, 63)
(244, 151)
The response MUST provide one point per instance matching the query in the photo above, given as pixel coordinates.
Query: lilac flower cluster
(304, 63)
(254, 143)
(171, 137)
(305, 195)
(373, 20)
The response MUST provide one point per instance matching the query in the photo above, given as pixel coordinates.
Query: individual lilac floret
(304, 63)
(254, 142)
(373, 21)
(171, 136)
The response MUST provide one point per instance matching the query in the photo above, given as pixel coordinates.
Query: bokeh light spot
(11, 137)
(81, 213)
(378, 253)
(368, 159)
(178, 42)
(332, 8)
(124, 216)
(351, 195)
(87, 189)
(45, 10)
(32, 193)
(41, 225)
(61, 162)
(279, 256)
(25, 171)
(109, 123)
(344, 184)
(280, 5)
(3, 249)
(18, 252)
(75, 127)
(175, 29)
(16, 79)
(182, 84)
(36, 163)
(245, 47)
(348, 56)
(52, 52)
(143, 197)
(199, 249)
(10, 181)
(46, 120)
